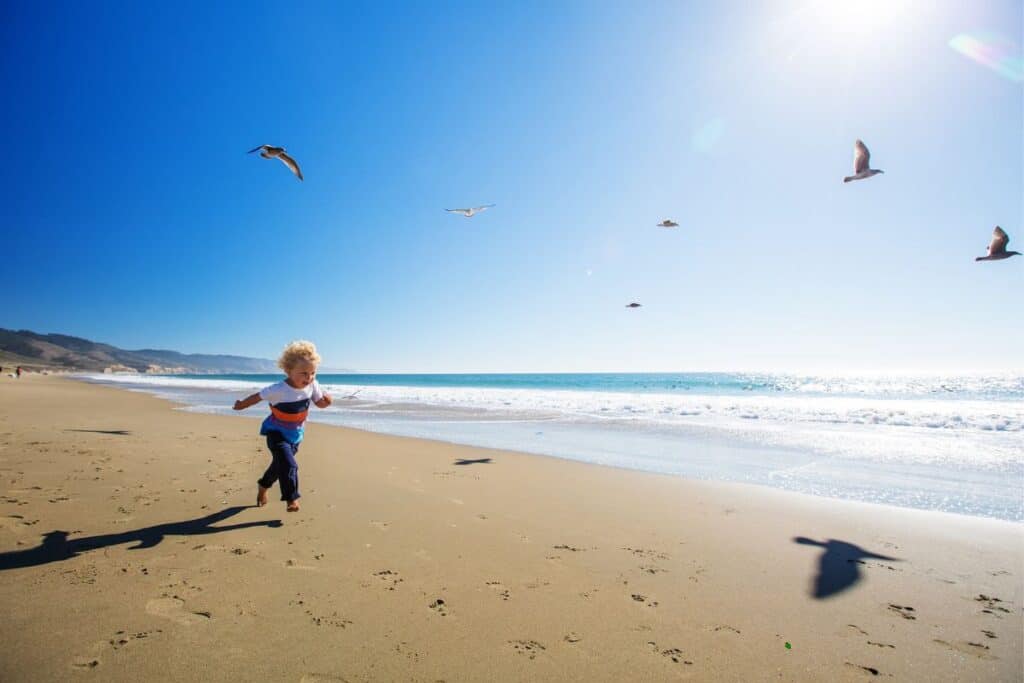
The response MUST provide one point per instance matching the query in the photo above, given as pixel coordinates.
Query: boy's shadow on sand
(56, 546)
(839, 565)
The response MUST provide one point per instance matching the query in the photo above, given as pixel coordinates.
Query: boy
(289, 404)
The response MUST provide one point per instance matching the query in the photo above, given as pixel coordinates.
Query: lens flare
(995, 52)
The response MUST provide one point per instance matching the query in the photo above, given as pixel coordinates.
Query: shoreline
(425, 560)
(931, 480)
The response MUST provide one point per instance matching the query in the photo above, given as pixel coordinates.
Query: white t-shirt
(288, 409)
(282, 392)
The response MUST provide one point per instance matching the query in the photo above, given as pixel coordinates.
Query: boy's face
(301, 374)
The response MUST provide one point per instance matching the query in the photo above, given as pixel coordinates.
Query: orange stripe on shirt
(288, 417)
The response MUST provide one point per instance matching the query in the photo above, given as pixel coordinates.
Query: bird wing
(290, 163)
(257, 149)
(861, 157)
(999, 241)
(482, 208)
(462, 211)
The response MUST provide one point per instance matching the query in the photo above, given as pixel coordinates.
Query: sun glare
(830, 34)
(858, 18)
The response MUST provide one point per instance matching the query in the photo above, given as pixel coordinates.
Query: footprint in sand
(499, 587)
(16, 523)
(978, 650)
(412, 655)
(294, 564)
(174, 609)
(334, 620)
(673, 653)
(85, 663)
(389, 577)
(84, 574)
(991, 604)
(116, 642)
(904, 612)
(529, 648)
(643, 599)
(869, 669)
(383, 526)
(440, 607)
(122, 638)
(647, 553)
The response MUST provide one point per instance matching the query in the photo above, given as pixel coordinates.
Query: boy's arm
(247, 401)
(324, 401)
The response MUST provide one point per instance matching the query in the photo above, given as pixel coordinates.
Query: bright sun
(838, 32)
(854, 17)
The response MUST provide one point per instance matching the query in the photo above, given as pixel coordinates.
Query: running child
(289, 405)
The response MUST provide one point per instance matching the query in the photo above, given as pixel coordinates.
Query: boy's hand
(240, 406)
(324, 401)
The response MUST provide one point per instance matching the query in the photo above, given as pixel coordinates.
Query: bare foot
(261, 497)
(293, 506)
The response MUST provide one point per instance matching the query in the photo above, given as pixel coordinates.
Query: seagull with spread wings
(861, 163)
(633, 305)
(997, 249)
(667, 223)
(472, 211)
(271, 152)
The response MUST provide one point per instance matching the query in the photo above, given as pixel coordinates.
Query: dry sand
(130, 550)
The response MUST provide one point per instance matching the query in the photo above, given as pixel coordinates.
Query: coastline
(544, 568)
(892, 443)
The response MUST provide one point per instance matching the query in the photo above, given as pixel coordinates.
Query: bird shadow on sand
(56, 546)
(480, 461)
(839, 565)
(117, 432)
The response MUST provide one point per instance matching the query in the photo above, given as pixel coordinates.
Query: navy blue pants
(283, 467)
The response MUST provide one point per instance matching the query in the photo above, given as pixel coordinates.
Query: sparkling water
(953, 443)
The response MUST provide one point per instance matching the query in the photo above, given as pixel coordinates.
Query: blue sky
(133, 216)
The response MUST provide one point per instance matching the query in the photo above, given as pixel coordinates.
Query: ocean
(954, 444)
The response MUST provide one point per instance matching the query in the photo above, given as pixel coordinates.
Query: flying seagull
(470, 212)
(633, 305)
(668, 224)
(997, 250)
(861, 163)
(271, 152)
(353, 394)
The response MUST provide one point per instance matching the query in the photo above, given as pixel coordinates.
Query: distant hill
(62, 352)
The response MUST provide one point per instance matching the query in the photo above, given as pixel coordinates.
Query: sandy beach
(131, 549)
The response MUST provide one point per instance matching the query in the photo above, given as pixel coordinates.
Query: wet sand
(130, 549)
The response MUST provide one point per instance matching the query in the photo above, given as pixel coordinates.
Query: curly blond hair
(297, 351)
